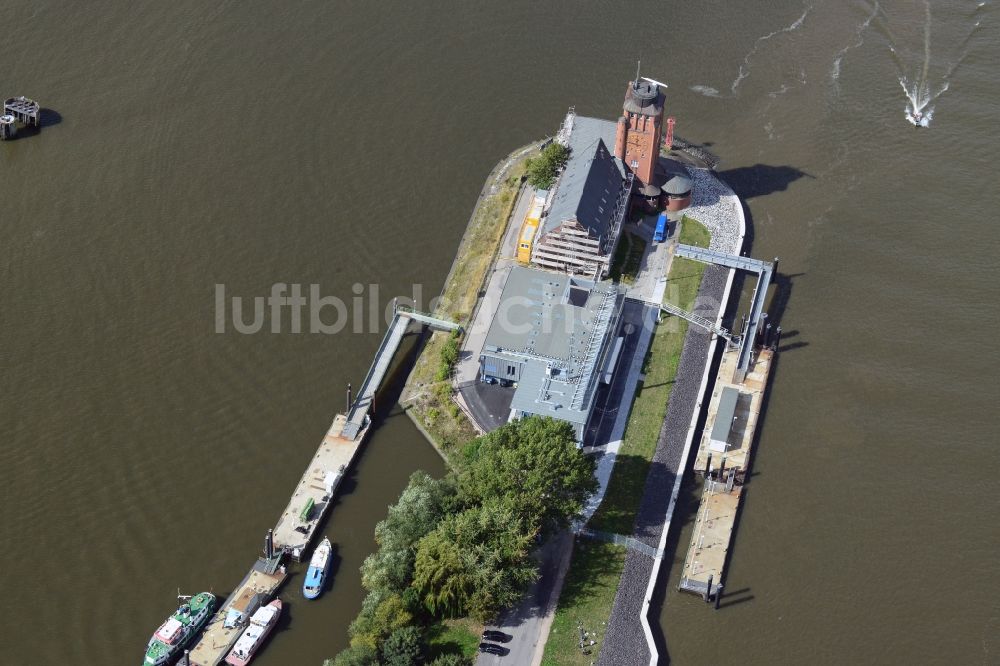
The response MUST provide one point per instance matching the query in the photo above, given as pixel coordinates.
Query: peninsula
(562, 380)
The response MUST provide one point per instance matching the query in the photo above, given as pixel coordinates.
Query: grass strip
(427, 397)
(595, 571)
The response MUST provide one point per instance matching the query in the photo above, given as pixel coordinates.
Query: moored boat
(174, 634)
(319, 567)
(261, 624)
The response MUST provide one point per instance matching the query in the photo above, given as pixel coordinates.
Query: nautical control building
(580, 232)
(608, 162)
(551, 335)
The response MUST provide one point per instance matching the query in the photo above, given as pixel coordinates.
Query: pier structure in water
(723, 462)
(19, 110)
(730, 425)
(310, 501)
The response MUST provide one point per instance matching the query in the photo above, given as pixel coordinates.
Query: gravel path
(625, 642)
(714, 205)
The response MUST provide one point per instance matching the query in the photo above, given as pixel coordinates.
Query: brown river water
(190, 144)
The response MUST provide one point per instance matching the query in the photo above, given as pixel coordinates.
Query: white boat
(319, 567)
(261, 624)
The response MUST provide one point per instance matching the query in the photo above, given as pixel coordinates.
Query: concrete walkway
(651, 281)
(467, 367)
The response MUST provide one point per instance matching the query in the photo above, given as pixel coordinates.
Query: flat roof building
(551, 335)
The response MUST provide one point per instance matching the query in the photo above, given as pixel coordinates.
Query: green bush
(542, 170)
(355, 656)
(449, 356)
(404, 647)
(442, 391)
(451, 660)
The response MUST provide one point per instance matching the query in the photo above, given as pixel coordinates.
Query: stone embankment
(629, 635)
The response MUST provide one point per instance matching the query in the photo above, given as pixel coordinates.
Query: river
(191, 144)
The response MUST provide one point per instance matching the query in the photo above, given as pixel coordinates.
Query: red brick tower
(637, 143)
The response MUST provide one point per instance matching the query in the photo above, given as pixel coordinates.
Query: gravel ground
(625, 642)
(715, 206)
(712, 204)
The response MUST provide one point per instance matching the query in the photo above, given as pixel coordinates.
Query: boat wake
(745, 66)
(859, 40)
(920, 99)
(707, 91)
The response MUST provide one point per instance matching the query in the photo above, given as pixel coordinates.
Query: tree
(381, 614)
(533, 464)
(542, 170)
(404, 647)
(476, 562)
(416, 513)
(442, 575)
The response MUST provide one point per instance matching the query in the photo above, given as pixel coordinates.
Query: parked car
(493, 648)
(496, 636)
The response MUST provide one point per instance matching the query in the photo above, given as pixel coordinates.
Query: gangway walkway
(764, 270)
(698, 320)
(361, 407)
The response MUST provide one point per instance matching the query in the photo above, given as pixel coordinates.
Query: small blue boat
(319, 568)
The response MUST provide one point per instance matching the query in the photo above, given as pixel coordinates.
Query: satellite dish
(659, 83)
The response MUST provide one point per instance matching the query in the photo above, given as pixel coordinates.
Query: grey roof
(725, 414)
(535, 396)
(644, 99)
(548, 319)
(678, 184)
(592, 179)
(649, 190)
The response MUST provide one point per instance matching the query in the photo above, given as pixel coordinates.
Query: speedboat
(319, 568)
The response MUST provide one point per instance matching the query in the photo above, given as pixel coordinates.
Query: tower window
(635, 164)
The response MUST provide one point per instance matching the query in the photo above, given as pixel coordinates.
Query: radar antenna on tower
(654, 81)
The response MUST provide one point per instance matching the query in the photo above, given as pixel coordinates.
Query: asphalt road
(609, 398)
(525, 621)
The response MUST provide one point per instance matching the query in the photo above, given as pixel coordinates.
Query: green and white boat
(174, 634)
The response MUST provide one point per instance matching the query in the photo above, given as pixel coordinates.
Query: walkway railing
(427, 318)
(621, 540)
(358, 412)
(698, 320)
(763, 269)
